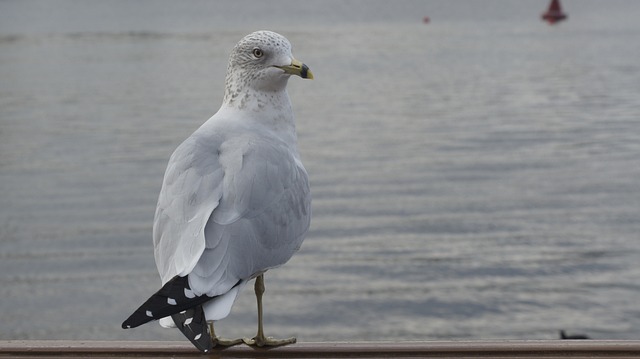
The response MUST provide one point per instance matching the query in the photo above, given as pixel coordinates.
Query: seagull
(235, 199)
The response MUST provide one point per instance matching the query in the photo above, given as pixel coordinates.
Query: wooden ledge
(434, 349)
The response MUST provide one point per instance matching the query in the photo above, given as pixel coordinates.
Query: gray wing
(229, 210)
(191, 190)
(263, 215)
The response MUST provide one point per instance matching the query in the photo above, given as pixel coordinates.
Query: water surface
(473, 178)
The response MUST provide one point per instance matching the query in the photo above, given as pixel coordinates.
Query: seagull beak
(297, 68)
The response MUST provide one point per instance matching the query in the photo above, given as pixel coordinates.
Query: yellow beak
(297, 68)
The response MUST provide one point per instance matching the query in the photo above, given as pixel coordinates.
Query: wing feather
(263, 214)
(190, 192)
(229, 209)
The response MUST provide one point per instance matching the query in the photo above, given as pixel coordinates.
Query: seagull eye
(257, 53)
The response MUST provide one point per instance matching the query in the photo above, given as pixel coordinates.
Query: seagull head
(263, 61)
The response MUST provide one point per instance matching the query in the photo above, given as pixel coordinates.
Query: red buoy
(426, 19)
(554, 13)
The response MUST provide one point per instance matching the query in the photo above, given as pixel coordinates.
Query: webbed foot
(262, 341)
(219, 341)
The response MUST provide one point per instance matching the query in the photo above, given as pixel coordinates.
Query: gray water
(473, 178)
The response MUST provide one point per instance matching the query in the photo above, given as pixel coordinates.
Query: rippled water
(477, 177)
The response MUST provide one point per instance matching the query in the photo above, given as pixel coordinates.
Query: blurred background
(474, 177)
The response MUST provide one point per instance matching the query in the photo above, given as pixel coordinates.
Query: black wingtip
(174, 297)
(139, 317)
(170, 299)
(193, 324)
(131, 322)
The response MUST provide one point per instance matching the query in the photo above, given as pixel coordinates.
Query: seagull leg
(221, 341)
(260, 340)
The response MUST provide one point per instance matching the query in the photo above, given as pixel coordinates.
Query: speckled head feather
(272, 44)
(252, 65)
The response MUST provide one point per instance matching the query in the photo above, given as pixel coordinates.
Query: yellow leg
(260, 340)
(221, 341)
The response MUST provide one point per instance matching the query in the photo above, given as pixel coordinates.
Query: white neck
(271, 109)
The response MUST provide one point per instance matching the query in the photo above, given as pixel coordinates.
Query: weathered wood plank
(434, 349)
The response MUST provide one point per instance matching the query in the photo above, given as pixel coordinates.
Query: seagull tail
(174, 297)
